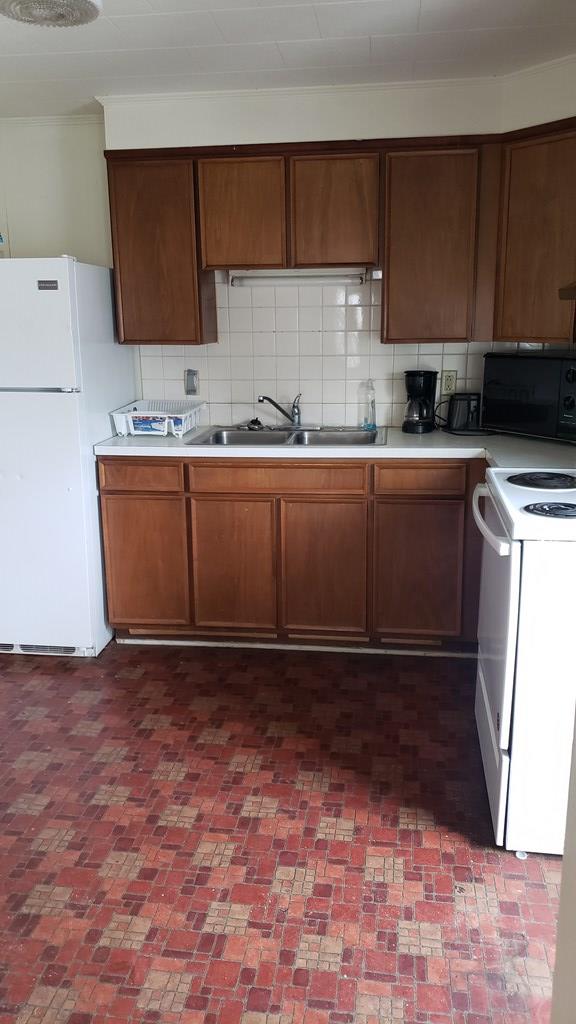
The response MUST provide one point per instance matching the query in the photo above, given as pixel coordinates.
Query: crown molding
(291, 92)
(540, 69)
(66, 120)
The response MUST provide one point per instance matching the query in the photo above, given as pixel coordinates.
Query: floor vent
(6, 648)
(44, 649)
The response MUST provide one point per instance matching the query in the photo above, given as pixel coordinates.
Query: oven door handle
(500, 544)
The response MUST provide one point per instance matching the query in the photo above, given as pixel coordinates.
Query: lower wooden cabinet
(146, 555)
(418, 567)
(324, 565)
(341, 550)
(234, 562)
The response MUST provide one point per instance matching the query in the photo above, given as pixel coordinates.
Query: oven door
(497, 635)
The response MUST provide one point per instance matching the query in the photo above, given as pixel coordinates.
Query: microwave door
(521, 394)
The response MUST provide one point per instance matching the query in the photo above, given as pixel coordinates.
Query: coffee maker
(421, 391)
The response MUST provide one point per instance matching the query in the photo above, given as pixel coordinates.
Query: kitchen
(297, 273)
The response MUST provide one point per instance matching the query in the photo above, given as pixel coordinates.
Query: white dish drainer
(160, 417)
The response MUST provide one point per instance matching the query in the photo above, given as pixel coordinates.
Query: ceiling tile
(448, 15)
(191, 45)
(60, 66)
(391, 48)
(161, 6)
(234, 58)
(537, 44)
(261, 24)
(372, 18)
(99, 35)
(148, 30)
(112, 7)
(316, 53)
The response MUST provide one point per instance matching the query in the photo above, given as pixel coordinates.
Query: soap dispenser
(367, 405)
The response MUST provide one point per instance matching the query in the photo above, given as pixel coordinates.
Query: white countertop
(500, 450)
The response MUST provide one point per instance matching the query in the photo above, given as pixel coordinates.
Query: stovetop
(535, 505)
(552, 509)
(547, 480)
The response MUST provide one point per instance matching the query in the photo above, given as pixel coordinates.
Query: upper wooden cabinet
(242, 212)
(334, 209)
(537, 240)
(429, 247)
(160, 297)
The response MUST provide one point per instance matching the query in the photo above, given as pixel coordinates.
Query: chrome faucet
(294, 415)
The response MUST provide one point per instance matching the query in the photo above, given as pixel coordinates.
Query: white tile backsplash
(322, 341)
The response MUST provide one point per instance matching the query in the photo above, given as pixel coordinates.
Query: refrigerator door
(39, 335)
(44, 596)
(497, 634)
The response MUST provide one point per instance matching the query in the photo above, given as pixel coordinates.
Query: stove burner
(554, 509)
(546, 481)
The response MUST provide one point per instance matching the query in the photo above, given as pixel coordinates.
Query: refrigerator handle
(500, 544)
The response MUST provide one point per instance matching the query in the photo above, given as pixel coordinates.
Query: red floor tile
(227, 837)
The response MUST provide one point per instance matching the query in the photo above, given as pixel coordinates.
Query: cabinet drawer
(274, 478)
(420, 478)
(141, 475)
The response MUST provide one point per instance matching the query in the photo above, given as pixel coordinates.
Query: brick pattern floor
(227, 837)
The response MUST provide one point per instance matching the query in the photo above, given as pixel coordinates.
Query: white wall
(322, 342)
(466, 106)
(53, 192)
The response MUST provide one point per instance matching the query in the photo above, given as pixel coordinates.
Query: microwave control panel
(567, 401)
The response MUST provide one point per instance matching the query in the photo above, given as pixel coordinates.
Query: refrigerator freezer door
(39, 334)
(44, 592)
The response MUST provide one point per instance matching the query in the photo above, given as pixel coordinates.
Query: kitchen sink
(248, 438)
(327, 438)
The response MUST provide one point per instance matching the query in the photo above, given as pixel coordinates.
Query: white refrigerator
(61, 373)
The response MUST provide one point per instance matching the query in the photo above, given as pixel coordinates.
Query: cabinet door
(242, 212)
(146, 556)
(537, 240)
(324, 565)
(419, 551)
(429, 254)
(334, 209)
(234, 559)
(154, 241)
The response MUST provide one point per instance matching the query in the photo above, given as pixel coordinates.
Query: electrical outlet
(191, 381)
(449, 378)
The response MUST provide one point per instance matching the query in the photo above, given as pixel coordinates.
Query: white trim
(66, 120)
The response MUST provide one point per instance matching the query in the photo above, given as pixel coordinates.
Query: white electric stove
(526, 681)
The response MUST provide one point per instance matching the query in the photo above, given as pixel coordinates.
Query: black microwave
(531, 393)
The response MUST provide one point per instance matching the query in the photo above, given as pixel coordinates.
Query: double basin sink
(291, 436)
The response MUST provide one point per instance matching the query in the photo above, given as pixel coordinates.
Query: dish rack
(162, 417)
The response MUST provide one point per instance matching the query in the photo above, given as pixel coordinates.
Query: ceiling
(149, 46)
